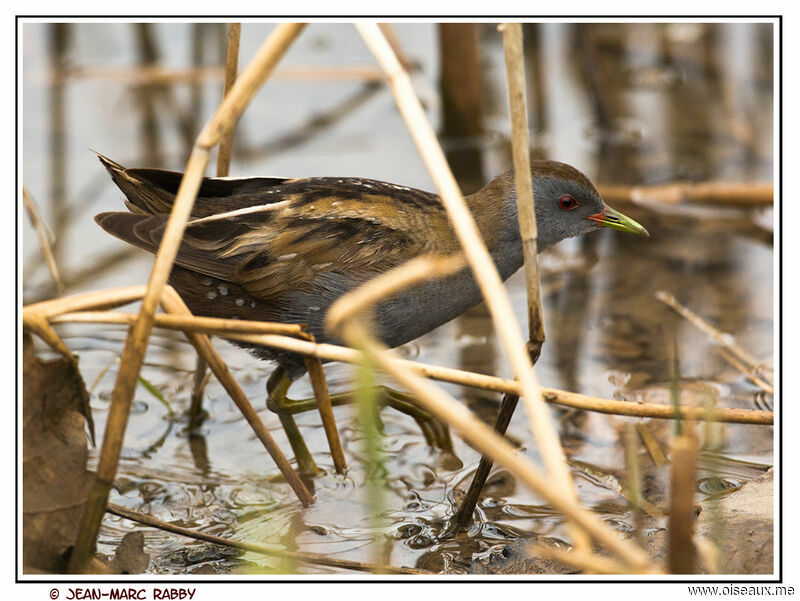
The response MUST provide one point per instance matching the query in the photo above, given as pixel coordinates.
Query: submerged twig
(722, 338)
(312, 558)
(741, 367)
(45, 236)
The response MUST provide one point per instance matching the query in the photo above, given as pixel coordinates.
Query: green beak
(608, 217)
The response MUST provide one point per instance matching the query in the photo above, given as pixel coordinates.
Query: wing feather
(299, 235)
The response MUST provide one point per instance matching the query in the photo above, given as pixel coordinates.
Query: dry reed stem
(45, 331)
(248, 83)
(37, 316)
(523, 182)
(651, 444)
(95, 300)
(741, 367)
(346, 318)
(488, 442)
(330, 352)
(744, 195)
(44, 239)
(172, 302)
(312, 558)
(231, 69)
(391, 37)
(131, 362)
(722, 338)
(320, 386)
(157, 75)
(223, 169)
(193, 323)
(477, 255)
(136, 342)
(681, 549)
(520, 138)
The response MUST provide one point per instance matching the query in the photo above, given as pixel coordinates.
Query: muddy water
(625, 104)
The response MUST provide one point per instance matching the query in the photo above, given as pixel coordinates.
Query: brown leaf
(55, 409)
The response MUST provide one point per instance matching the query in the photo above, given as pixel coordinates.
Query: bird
(285, 249)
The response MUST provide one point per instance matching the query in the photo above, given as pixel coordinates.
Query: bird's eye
(567, 203)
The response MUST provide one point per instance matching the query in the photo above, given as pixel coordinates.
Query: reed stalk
(330, 352)
(346, 318)
(173, 303)
(724, 339)
(45, 237)
(224, 119)
(476, 253)
(223, 169)
(727, 194)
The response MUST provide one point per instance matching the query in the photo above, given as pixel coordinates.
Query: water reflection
(636, 103)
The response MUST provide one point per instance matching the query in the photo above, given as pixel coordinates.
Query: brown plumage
(275, 249)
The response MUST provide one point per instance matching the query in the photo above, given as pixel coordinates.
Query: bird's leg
(277, 402)
(435, 432)
(463, 516)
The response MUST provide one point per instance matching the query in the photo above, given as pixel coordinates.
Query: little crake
(284, 250)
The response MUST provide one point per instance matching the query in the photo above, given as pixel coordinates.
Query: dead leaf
(55, 410)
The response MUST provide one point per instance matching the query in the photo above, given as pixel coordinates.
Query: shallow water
(676, 102)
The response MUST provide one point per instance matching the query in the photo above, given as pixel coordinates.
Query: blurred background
(626, 103)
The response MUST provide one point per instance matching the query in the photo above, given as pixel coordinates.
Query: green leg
(439, 432)
(436, 433)
(277, 402)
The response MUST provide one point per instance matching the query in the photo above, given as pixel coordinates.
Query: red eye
(567, 203)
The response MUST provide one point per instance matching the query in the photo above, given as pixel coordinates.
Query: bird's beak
(608, 217)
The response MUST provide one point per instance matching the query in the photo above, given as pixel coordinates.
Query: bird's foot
(277, 402)
(436, 433)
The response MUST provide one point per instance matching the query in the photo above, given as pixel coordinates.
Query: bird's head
(567, 205)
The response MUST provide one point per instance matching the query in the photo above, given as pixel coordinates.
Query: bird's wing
(318, 228)
(152, 191)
